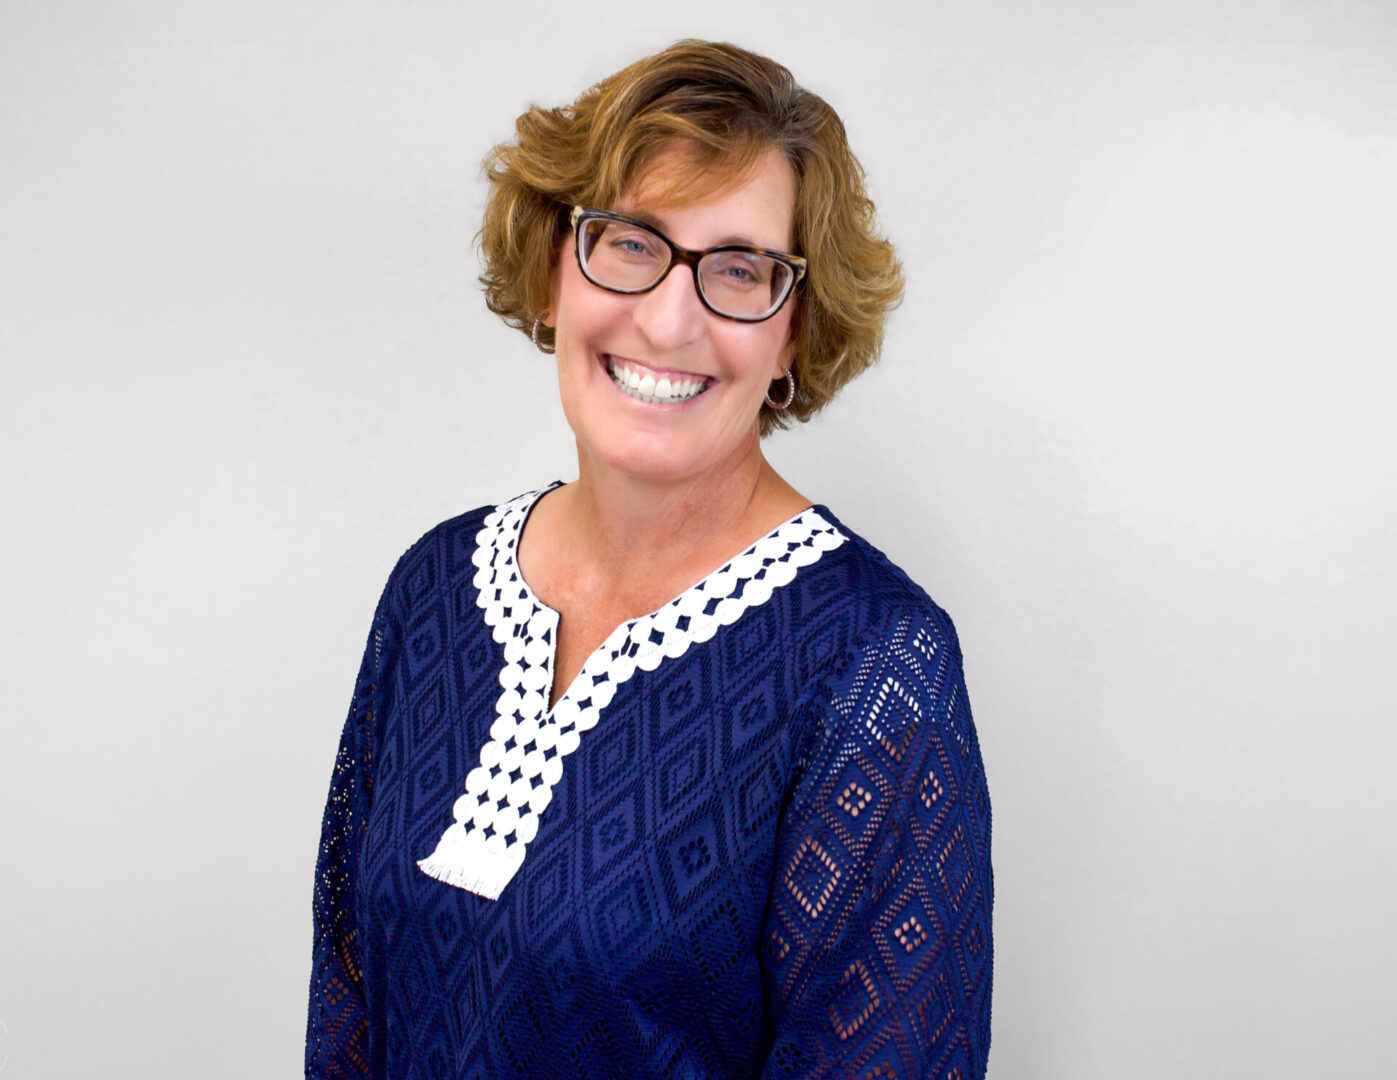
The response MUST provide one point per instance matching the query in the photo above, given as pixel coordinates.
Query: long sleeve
(877, 941)
(338, 1042)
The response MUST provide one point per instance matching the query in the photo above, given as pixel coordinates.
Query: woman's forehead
(680, 171)
(759, 187)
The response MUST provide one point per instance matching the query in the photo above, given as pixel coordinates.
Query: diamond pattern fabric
(751, 839)
(523, 759)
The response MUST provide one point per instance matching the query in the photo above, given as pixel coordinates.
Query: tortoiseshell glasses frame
(640, 271)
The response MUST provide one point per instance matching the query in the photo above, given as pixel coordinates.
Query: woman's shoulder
(896, 681)
(876, 595)
(436, 561)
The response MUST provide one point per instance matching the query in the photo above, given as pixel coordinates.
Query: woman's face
(605, 338)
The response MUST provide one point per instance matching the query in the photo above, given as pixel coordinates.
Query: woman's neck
(645, 539)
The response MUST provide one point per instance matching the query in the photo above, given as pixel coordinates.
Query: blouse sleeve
(338, 1019)
(877, 941)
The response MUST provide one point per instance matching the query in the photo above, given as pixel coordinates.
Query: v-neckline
(511, 552)
(522, 760)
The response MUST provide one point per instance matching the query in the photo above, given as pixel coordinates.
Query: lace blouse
(752, 838)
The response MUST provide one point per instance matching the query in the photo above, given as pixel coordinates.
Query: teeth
(646, 388)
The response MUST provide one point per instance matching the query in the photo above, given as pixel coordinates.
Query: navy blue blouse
(752, 838)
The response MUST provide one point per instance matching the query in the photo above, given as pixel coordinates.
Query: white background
(1130, 429)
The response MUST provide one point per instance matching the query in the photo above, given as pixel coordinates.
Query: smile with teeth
(645, 387)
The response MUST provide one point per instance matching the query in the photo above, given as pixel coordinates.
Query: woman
(663, 772)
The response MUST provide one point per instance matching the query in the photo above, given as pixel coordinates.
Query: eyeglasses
(734, 281)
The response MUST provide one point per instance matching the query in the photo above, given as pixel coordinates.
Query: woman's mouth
(644, 386)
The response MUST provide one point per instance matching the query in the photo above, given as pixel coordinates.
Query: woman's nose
(671, 314)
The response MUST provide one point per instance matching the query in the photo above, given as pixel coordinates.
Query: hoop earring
(540, 346)
(790, 393)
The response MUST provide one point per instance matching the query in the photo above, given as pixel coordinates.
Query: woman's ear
(788, 350)
(786, 359)
(555, 286)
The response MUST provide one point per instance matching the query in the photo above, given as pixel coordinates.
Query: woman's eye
(632, 244)
(735, 269)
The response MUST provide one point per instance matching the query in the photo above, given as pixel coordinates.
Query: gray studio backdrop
(1131, 430)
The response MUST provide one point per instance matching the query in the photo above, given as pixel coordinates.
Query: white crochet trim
(522, 762)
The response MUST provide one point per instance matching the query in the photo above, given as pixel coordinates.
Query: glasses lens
(621, 256)
(743, 284)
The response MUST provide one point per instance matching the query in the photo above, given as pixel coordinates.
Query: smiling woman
(663, 334)
(665, 771)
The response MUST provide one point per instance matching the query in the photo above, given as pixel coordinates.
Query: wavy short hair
(724, 107)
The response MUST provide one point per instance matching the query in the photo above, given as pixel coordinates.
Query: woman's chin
(651, 460)
(666, 454)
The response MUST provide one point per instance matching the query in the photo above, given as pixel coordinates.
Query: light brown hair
(724, 106)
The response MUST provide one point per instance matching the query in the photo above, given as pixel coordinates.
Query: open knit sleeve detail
(877, 940)
(338, 1021)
